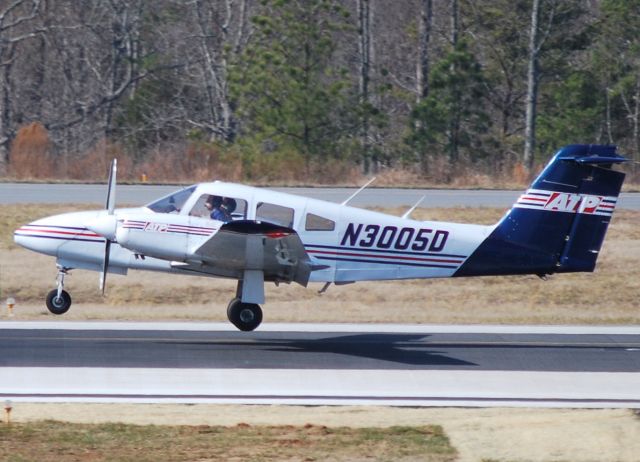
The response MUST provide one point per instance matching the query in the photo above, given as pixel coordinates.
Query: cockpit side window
(221, 208)
(172, 203)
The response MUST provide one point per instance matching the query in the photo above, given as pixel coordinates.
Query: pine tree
(288, 90)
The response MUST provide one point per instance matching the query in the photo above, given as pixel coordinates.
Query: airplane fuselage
(350, 244)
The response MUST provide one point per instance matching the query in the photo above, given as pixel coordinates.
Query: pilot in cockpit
(220, 208)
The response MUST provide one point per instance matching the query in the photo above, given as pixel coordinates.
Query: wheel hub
(247, 315)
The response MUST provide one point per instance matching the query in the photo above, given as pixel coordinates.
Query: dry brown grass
(608, 296)
(30, 155)
(57, 441)
(31, 158)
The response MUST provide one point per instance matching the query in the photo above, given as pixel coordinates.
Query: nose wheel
(58, 304)
(245, 316)
(58, 300)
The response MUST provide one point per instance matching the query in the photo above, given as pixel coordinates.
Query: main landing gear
(245, 316)
(243, 311)
(59, 300)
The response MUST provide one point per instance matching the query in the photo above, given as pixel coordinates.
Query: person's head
(213, 202)
(229, 205)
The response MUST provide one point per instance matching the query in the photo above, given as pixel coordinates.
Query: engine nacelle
(165, 236)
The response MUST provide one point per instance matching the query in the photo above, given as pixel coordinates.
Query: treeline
(313, 90)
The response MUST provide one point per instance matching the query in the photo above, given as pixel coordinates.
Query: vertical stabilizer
(559, 223)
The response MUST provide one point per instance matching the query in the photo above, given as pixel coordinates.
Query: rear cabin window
(276, 214)
(317, 223)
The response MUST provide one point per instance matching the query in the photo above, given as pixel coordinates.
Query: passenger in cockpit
(228, 207)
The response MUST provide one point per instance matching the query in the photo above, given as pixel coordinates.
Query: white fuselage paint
(350, 244)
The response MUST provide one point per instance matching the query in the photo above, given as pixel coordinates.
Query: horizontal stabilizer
(592, 154)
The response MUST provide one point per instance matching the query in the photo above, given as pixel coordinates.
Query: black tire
(58, 305)
(245, 316)
(230, 308)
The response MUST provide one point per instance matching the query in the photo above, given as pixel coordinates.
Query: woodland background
(314, 91)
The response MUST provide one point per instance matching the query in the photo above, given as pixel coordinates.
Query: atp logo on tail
(555, 201)
(575, 203)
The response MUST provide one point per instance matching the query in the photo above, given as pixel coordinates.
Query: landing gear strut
(245, 316)
(58, 300)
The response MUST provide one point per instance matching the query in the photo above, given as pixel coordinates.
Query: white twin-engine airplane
(255, 235)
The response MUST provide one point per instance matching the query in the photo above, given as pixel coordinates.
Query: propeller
(105, 225)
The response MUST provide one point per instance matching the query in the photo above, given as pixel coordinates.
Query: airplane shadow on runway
(402, 349)
(356, 351)
(264, 350)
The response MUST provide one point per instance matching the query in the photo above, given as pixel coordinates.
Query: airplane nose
(39, 237)
(48, 234)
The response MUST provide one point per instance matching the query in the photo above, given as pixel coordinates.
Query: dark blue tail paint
(559, 224)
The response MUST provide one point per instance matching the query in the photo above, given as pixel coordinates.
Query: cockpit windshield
(172, 203)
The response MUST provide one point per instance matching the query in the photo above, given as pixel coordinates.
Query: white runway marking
(322, 387)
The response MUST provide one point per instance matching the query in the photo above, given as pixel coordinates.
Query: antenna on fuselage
(359, 191)
(408, 212)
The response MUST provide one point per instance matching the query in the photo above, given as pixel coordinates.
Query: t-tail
(558, 225)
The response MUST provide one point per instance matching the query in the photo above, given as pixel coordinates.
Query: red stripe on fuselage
(54, 231)
(350, 254)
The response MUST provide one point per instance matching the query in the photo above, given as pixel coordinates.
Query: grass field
(57, 441)
(607, 296)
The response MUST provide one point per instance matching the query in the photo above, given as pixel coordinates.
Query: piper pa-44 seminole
(255, 235)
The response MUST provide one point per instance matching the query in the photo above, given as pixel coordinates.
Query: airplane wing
(253, 245)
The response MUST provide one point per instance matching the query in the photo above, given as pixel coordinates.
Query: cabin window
(317, 223)
(172, 203)
(221, 208)
(276, 214)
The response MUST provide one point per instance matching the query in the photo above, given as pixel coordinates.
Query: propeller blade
(105, 266)
(111, 191)
(110, 206)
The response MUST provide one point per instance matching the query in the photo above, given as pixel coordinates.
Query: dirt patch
(504, 434)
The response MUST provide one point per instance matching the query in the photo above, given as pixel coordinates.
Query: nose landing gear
(58, 300)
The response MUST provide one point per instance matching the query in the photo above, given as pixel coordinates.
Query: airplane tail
(558, 225)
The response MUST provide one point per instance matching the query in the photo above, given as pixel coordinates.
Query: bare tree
(15, 19)
(100, 65)
(223, 32)
(453, 129)
(424, 36)
(365, 45)
(532, 88)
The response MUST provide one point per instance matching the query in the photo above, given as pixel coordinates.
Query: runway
(316, 364)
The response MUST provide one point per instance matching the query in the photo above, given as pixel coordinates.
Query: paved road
(12, 193)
